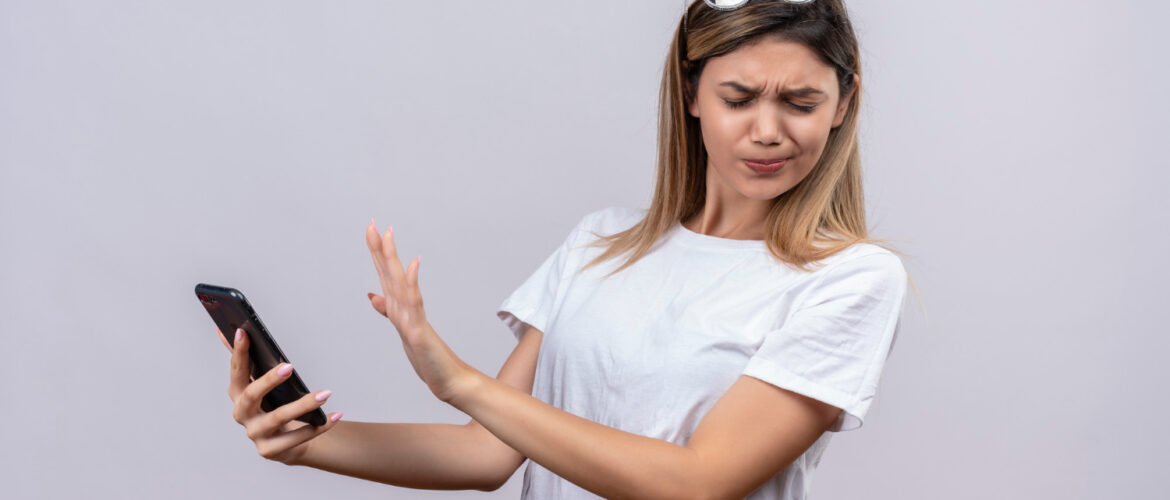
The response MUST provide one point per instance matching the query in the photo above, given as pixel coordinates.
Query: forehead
(772, 65)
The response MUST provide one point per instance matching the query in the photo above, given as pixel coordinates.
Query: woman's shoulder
(864, 249)
(613, 219)
(861, 258)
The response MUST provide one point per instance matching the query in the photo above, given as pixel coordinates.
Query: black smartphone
(230, 310)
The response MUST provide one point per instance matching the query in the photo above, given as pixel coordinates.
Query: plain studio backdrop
(1013, 150)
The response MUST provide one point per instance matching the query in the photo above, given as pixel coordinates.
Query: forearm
(412, 455)
(606, 461)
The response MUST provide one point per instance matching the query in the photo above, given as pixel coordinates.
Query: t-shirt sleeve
(534, 302)
(834, 345)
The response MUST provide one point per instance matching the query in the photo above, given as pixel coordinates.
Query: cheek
(722, 130)
(810, 135)
(719, 132)
(727, 121)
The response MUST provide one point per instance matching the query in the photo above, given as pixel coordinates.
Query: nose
(766, 128)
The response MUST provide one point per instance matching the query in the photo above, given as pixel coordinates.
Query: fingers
(374, 242)
(384, 252)
(393, 268)
(401, 299)
(273, 421)
(278, 438)
(412, 272)
(248, 403)
(241, 367)
(271, 432)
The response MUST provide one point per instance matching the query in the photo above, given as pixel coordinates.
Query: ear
(844, 105)
(692, 102)
(690, 93)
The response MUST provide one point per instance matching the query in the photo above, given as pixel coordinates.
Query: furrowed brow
(801, 92)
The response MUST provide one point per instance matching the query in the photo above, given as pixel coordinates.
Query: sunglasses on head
(735, 4)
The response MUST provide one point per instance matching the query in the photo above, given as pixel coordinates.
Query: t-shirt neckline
(707, 241)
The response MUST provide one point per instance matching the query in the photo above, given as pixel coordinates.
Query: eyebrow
(801, 92)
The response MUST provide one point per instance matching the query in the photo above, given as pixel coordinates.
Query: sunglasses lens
(735, 4)
(726, 4)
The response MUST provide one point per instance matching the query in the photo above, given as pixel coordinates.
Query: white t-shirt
(653, 347)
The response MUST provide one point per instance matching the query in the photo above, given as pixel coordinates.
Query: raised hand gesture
(401, 302)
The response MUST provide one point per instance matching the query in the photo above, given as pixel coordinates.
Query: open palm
(402, 303)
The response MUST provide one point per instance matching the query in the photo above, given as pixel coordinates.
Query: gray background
(1013, 149)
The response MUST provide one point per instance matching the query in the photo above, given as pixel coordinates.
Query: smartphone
(230, 310)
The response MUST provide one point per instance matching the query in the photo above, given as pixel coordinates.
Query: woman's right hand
(278, 436)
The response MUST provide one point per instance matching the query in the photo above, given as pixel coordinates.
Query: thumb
(378, 303)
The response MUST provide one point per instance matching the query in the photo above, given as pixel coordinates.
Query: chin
(762, 195)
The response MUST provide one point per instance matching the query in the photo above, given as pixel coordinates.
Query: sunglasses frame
(735, 4)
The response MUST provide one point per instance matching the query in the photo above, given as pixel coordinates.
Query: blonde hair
(823, 214)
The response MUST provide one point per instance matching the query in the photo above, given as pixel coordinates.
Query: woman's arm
(429, 456)
(752, 432)
(425, 456)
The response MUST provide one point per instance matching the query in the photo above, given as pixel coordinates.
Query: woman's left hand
(443, 372)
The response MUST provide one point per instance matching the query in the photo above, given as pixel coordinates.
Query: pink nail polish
(239, 334)
(335, 417)
(323, 395)
(283, 371)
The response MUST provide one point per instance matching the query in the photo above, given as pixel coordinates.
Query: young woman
(750, 317)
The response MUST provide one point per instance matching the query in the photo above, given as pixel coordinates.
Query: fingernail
(284, 370)
(239, 334)
(335, 417)
(375, 224)
(323, 395)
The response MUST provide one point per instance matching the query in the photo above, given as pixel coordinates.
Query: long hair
(823, 214)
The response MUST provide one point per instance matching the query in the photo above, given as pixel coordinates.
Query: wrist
(465, 386)
(309, 456)
(448, 376)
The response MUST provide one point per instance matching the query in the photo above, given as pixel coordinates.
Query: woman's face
(765, 101)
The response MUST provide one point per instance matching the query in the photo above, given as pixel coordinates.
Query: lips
(766, 166)
(767, 161)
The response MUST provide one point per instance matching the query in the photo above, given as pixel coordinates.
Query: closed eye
(740, 104)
